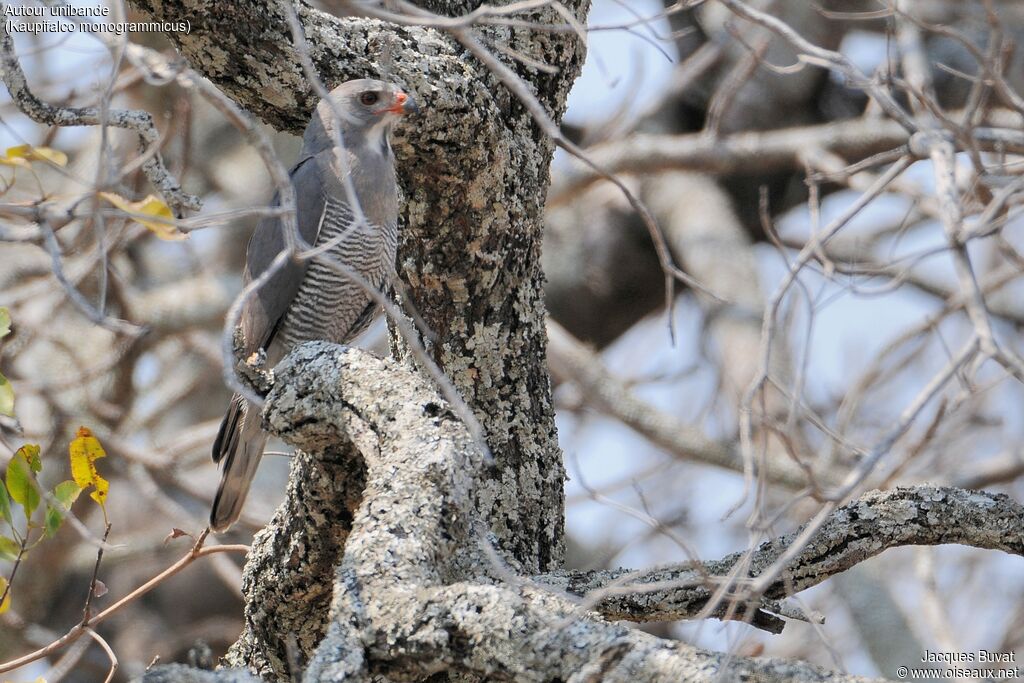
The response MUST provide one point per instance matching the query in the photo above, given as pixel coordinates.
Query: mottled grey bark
(879, 520)
(288, 580)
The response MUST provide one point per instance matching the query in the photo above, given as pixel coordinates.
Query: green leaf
(52, 521)
(5, 322)
(6, 397)
(9, 548)
(20, 479)
(66, 493)
(5, 505)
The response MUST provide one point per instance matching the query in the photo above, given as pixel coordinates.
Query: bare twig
(80, 629)
(106, 648)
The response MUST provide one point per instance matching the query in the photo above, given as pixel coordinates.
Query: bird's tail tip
(221, 518)
(239, 448)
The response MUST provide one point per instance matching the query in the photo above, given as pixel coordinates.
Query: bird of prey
(312, 299)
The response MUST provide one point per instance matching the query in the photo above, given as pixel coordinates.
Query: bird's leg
(251, 370)
(257, 359)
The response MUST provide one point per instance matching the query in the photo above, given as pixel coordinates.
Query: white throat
(377, 135)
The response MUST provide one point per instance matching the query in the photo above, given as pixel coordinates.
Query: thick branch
(921, 515)
(421, 589)
(510, 634)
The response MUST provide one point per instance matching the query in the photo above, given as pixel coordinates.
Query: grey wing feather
(265, 309)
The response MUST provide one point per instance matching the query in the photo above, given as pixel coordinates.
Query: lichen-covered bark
(418, 592)
(879, 520)
(289, 578)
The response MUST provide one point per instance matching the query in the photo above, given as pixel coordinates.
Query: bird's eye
(369, 98)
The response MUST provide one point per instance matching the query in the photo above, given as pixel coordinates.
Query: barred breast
(328, 305)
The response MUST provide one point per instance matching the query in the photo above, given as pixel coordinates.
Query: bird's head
(365, 108)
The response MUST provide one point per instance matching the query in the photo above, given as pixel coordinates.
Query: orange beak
(403, 105)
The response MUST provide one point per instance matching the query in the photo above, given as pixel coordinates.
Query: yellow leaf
(7, 598)
(5, 322)
(144, 211)
(85, 450)
(54, 156)
(20, 155)
(16, 156)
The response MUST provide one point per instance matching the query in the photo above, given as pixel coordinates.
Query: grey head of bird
(366, 109)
